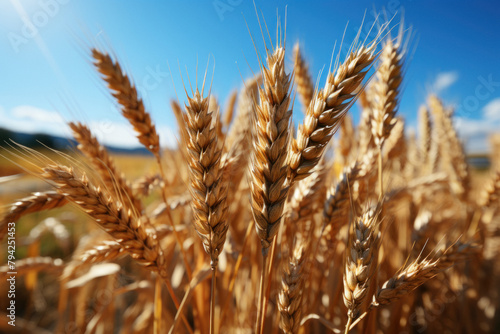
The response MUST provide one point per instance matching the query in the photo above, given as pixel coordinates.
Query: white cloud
(31, 113)
(491, 111)
(30, 119)
(444, 80)
(476, 132)
(123, 134)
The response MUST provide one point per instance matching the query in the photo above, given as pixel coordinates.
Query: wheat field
(255, 224)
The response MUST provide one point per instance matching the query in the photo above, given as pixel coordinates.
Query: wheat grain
(290, 296)
(386, 90)
(327, 109)
(337, 204)
(302, 77)
(230, 107)
(269, 170)
(38, 201)
(103, 252)
(102, 162)
(207, 189)
(419, 272)
(126, 95)
(361, 261)
(111, 216)
(238, 138)
(451, 151)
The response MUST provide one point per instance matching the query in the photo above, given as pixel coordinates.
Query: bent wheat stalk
(143, 246)
(100, 159)
(39, 201)
(125, 92)
(132, 107)
(326, 110)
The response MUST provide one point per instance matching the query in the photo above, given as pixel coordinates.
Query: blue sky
(47, 76)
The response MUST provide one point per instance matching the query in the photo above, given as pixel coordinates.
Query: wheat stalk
(269, 170)
(306, 198)
(238, 138)
(327, 109)
(103, 252)
(451, 151)
(207, 186)
(416, 274)
(290, 295)
(271, 135)
(102, 162)
(419, 272)
(131, 232)
(395, 145)
(385, 100)
(110, 215)
(230, 107)
(180, 117)
(133, 110)
(386, 88)
(365, 137)
(302, 77)
(38, 201)
(425, 130)
(30, 264)
(337, 204)
(131, 104)
(347, 143)
(491, 193)
(361, 262)
(146, 184)
(207, 190)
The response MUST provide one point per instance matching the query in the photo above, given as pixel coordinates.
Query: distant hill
(478, 161)
(39, 140)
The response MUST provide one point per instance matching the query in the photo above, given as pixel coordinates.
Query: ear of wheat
(386, 90)
(305, 86)
(270, 142)
(361, 262)
(290, 297)
(100, 159)
(37, 202)
(126, 94)
(207, 189)
(326, 110)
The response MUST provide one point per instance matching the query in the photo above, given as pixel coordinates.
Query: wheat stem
(348, 325)
(158, 306)
(380, 178)
(212, 300)
(259, 325)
